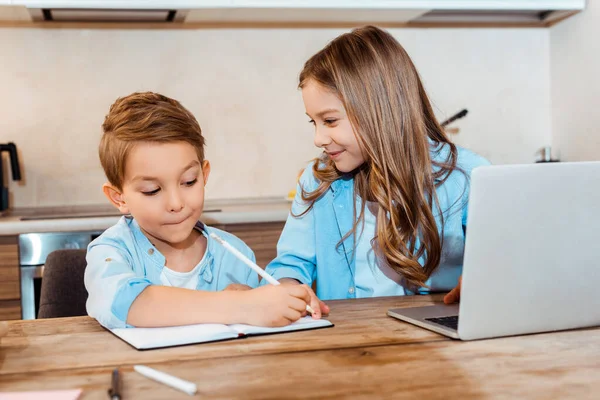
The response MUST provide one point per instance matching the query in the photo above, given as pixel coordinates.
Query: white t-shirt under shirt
(185, 280)
(369, 279)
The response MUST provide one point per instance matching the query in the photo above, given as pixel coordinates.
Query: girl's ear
(205, 171)
(115, 196)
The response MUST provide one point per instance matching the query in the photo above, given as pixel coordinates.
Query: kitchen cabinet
(394, 12)
(399, 12)
(14, 13)
(10, 289)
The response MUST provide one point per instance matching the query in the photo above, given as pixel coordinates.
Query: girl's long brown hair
(392, 118)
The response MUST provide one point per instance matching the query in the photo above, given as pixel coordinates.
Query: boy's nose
(175, 202)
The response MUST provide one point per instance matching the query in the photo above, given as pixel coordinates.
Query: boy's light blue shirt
(122, 262)
(307, 250)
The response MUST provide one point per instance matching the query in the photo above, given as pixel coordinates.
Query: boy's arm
(272, 305)
(170, 306)
(163, 303)
(118, 298)
(111, 283)
(252, 281)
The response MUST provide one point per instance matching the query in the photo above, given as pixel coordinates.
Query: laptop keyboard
(450, 321)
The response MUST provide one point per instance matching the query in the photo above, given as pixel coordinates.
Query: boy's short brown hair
(144, 117)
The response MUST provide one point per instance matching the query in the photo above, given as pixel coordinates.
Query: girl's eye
(151, 193)
(192, 182)
(330, 121)
(312, 121)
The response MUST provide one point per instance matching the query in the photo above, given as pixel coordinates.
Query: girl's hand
(317, 305)
(238, 286)
(453, 296)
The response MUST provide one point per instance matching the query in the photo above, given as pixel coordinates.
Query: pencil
(251, 264)
(166, 379)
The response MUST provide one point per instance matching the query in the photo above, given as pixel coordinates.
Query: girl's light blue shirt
(122, 262)
(373, 278)
(307, 249)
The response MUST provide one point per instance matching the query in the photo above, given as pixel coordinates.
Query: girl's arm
(296, 248)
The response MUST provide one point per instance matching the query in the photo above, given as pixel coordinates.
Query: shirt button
(150, 251)
(351, 290)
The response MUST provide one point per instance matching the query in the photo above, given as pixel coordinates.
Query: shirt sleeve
(112, 285)
(470, 162)
(296, 248)
(252, 277)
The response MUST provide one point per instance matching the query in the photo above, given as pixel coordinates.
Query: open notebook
(152, 338)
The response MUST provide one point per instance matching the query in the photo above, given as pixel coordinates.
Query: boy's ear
(205, 170)
(115, 196)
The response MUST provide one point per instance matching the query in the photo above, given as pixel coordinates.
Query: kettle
(11, 148)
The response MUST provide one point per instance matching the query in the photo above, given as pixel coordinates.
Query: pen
(169, 380)
(114, 392)
(251, 264)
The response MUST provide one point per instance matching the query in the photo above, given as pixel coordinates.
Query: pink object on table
(45, 395)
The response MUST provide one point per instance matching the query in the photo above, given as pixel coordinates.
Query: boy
(157, 266)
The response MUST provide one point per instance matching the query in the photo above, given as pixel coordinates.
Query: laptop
(532, 254)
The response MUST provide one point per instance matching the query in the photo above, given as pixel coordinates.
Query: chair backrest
(63, 291)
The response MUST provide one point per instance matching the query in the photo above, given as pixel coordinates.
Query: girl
(383, 210)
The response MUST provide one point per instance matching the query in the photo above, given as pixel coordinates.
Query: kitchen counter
(100, 217)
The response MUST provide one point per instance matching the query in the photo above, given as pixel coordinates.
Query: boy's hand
(317, 305)
(237, 286)
(454, 295)
(272, 305)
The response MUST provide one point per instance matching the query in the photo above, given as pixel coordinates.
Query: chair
(63, 292)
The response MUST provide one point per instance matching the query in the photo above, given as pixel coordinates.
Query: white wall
(575, 85)
(57, 85)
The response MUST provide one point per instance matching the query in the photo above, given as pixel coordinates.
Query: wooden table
(366, 355)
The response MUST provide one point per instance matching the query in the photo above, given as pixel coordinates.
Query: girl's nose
(321, 138)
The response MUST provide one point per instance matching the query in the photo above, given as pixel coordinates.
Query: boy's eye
(151, 193)
(192, 182)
